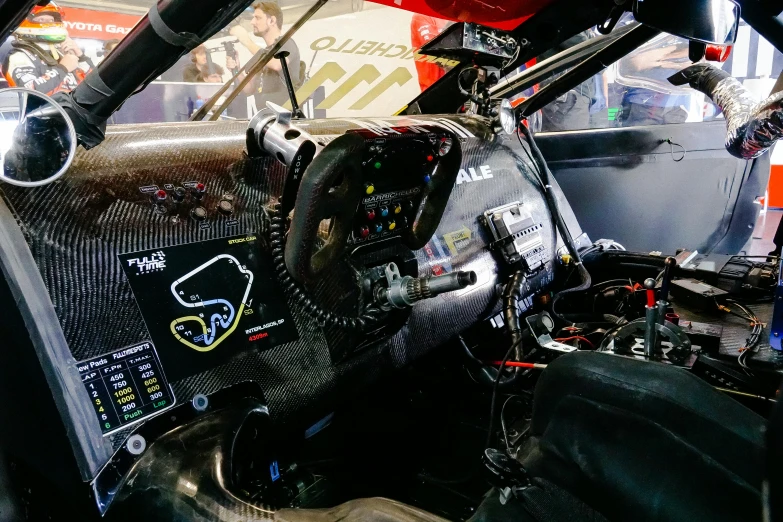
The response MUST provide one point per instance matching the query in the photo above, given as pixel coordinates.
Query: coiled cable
(299, 294)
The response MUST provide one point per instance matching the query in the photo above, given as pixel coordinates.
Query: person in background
(197, 70)
(656, 61)
(423, 29)
(212, 73)
(109, 46)
(43, 57)
(571, 110)
(267, 23)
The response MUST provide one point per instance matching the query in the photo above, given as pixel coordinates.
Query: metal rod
(651, 314)
(253, 67)
(289, 84)
(660, 319)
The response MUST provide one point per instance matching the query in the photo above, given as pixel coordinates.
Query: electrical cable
(577, 337)
(298, 294)
(757, 328)
(495, 391)
(503, 421)
(545, 177)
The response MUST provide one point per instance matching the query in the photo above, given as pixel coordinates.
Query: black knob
(178, 194)
(199, 213)
(225, 207)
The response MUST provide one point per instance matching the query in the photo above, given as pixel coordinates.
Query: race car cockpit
(390, 317)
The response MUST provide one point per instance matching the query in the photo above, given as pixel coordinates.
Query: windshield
(352, 58)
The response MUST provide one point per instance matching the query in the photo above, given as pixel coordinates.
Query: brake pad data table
(126, 386)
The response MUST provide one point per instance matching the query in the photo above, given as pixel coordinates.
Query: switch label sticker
(209, 301)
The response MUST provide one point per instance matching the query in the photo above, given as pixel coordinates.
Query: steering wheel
(331, 188)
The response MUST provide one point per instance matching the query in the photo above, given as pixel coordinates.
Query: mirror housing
(707, 21)
(37, 138)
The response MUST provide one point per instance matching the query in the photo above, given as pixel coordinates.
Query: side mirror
(708, 21)
(37, 138)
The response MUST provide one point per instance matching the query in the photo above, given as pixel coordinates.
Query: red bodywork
(502, 14)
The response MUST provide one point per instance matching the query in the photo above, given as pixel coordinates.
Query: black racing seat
(645, 441)
(619, 439)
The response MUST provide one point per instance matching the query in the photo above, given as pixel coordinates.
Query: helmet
(32, 28)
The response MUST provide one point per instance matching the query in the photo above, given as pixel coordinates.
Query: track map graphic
(205, 302)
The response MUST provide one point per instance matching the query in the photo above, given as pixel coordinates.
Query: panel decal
(206, 302)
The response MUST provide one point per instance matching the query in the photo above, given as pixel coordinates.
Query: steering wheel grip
(331, 187)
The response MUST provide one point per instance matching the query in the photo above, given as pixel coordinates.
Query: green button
(377, 164)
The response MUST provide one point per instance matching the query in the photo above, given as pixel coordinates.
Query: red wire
(578, 337)
(519, 364)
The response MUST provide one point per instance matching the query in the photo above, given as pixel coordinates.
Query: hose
(546, 176)
(752, 127)
(298, 294)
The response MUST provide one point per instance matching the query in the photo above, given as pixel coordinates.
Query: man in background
(201, 68)
(267, 23)
(42, 56)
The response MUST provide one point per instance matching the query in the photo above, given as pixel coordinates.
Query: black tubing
(296, 292)
(554, 208)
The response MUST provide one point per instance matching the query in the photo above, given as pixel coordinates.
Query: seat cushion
(363, 509)
(722, 429)
(645, 441)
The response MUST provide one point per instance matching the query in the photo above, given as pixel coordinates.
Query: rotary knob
(225, 207)
(199, 213)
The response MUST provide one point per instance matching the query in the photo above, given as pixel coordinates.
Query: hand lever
(668, 269)
(282, 55)
(651, 319)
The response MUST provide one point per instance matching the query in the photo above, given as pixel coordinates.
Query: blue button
(378, 228)
(384, 211)
(427, 178)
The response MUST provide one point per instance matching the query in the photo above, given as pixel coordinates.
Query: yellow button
(397, 208)
(369, 188)
(392, 225)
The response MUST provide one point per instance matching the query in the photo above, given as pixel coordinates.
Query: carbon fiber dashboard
(74, 230)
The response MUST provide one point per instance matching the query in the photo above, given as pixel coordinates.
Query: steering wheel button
(427, 178)
(384, 211)
(377, 164)
(430, 157)
(392, 225)
(397, 208)
(161, 195)
(178, 194)
(369, 188)
(364, 231)
(378, 228)
(371, 214)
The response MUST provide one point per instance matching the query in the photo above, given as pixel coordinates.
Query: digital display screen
(206, 302)
(126, 386)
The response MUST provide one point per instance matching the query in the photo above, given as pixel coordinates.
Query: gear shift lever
(282, 55)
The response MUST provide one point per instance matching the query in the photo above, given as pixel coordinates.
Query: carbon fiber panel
(76, 227)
